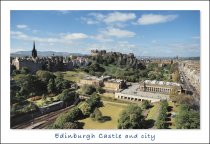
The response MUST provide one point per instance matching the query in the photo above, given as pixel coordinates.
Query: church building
(34, 51)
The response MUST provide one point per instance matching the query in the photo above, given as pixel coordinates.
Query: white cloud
(21, 26)
(119, 33)
(148, 19)
(75, 36)
(97, 16)
(18, 35)
(64, 38)
(119, 17)
(101, 38)
(89, 21)
(116, 18)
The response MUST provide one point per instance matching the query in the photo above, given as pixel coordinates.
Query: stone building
(52, 63)
(91, 80)
(159, 86)
(104, 81)
(113, 84)
(152, 91)
(162, 62)
(98, 52)
(32, 64)
(191, 70)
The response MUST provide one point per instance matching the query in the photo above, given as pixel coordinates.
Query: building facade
(152, 91)
(191, 70)
(52, 63)
(160, 87)
(113, 84)
(91, 80)
(106, 82)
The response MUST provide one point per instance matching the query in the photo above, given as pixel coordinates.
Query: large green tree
(31, 85)
(68, 96)
(96, 115)
(145, 104)
(60, 83)
(131, 118)
(94, 101)
(71, 116)
(88, 89)
(187, 118)
(161, 120)
(51, 88)
(85, 108)
(45, 75)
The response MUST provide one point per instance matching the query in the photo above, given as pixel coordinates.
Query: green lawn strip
(74, 76)
(109, 109)
(175, 110)
(108, 95)
(154, 111)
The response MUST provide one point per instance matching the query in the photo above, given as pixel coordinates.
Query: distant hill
(43, 53)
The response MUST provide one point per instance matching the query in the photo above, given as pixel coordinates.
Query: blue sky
(144, 33)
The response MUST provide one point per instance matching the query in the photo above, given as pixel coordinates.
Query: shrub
(35, 98)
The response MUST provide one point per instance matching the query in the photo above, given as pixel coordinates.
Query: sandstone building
(152, 91)
(106, 82)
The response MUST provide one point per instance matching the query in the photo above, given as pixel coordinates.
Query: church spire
(34, 46)
(34, 52)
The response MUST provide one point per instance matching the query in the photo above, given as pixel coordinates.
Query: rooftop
(134, 90)
(103, 78)
(155, 82)
(115, 80)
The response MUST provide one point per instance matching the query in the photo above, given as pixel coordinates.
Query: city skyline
(144, 33)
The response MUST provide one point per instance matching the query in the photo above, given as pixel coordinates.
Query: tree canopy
(88, 89)
(68, 96)
(85, 108)
(131, 118)
(161, 120)
(187, 118)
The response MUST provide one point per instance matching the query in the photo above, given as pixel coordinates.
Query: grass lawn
(153, 115)
(108, 94)
(110, 109)
(113, 70)
(154, 111)
(74, 76)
